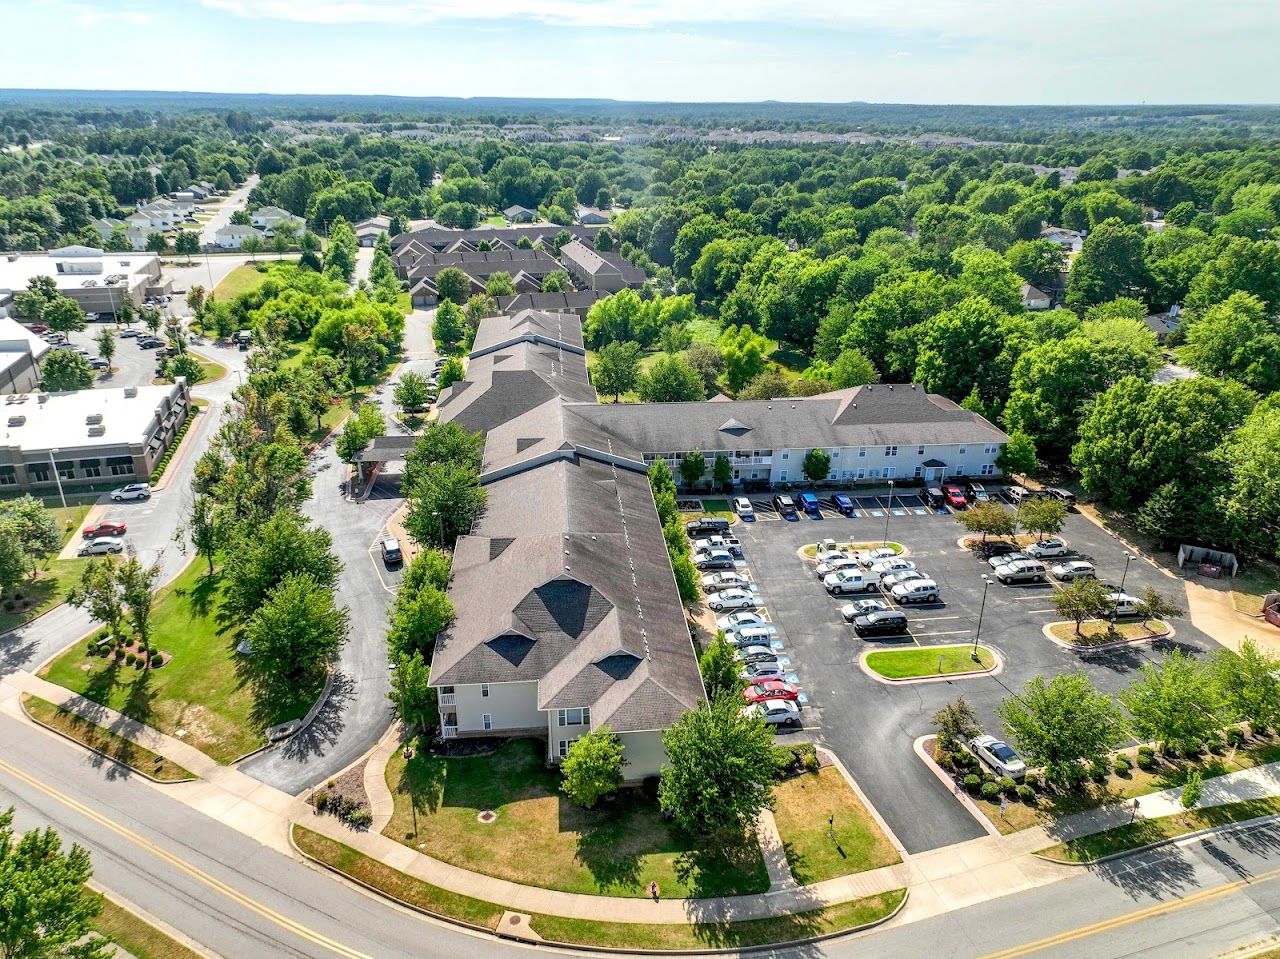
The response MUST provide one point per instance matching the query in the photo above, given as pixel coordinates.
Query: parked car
(132, 491)
(836, 565)
(762, 635)
(916, 591)
(707, 526)
(713, 582)
(742, 506)
(889, 622)
(101, 546)
(849, 581)
(1122, 604)
(877, 555)
(999, 756)
(740, 620)
(809, 503)
(995, 547)
(105, 528)
(1073, 570)
(714, 559)
(894, 565)
(775, 712)
(733, 599)
(1015, 495)
(933, 496)
(1001, 559)
(391, 554)
(861, 607)
(38, 328)
(770, 689)
(762, 672)
(1048, 547)
(831, 555)
(729, 543)
(126, 333)
(755, 654)
(1057, 492)
(844, 503)
(890, 580)
(98, 363)
(976, 493)
(954, 496)
(1021, 571)
(784, 504)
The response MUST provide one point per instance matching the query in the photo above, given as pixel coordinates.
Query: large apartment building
(568, 614)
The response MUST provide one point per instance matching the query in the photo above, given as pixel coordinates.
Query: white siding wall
(644, 754)
(509, 705)
(852, 463)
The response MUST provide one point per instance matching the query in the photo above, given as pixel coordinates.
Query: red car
(955, 496)
(104, 529)
(770, 689)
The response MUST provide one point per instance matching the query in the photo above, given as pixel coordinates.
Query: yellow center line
(1150, 912)
(200, 876)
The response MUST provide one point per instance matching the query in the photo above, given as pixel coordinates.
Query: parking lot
(131, 365)
(872, 725)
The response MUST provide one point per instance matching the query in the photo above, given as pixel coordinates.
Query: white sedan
(1073, 570)
(830, 555)
(740, 620)
(717, 581)
(885, 567)
(733, 599)
(877, 555)
(775, 712)
(132, 491)
(742, 506)
(861, 607)
(1048, 547)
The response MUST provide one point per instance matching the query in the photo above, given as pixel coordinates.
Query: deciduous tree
(1247, 679)
(1176, 702)
(1061, 724)
(294, 632)
(412, 694)
(1082, 599)
(593, 767)
(989, 519)
(64, 370)
(616, 369)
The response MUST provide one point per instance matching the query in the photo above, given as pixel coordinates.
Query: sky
(898, 51)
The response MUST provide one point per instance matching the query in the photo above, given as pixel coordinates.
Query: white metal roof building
(96, 280)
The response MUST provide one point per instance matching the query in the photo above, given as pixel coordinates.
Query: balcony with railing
(448, 699)
(448, 732)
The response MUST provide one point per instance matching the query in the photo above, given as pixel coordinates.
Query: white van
(751, 636)
(1122, 604)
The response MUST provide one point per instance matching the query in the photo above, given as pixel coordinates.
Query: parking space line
(945, 632)
(935, 619)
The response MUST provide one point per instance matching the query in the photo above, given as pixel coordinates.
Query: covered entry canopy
(384, 449)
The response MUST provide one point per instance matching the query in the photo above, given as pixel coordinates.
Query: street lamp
(887, 514)
(986, 585)
(1128, 557)
(58, 477)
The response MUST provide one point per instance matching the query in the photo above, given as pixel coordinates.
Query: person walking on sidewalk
(653, 890)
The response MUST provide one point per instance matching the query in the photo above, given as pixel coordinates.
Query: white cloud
(83, 15)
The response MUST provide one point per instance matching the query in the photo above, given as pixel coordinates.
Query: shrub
(1146, 751)
(1236, 736)
(807, 754)
(131, 658)
(157, 660)
(360, 818)
(320, 800)
(92, 648)
(990, 790)
(103, 652)
(119, 654)
(8, 605)
(1121, 765)
(1146, 761)
(1098, 771)
(105, 634)
(139, 662)
(1026, 793)
(1006, 784)
(1034, 780)
(972, 782)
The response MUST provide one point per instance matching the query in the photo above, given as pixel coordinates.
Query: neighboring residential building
(20, 355)
(569, 302)
(596, 270)
(1071, 241)
(1034, 299)
(519, 214)
(525, 267)
(368, 231)
(590, 216)
(438, 239)
(267, 218)
(105, 226)
(98, 281)
(233, 235)
(1164, 324)
(89, 436)
(568, 617)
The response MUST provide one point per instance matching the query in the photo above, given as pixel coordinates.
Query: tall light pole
(54, 463)
(1128, 558)
(887, 513)
(986, 585)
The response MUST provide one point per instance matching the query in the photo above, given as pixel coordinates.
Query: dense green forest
(801, 267)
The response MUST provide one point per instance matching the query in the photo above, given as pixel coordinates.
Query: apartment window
(487, 720)
(891, 451)
(875, 474)
(574, 717)
(91, 468)
(919, 471)
(862, 473)
(783, 476)
(846, 474)
(962, 451)
(7, 476)
(38, 472)
(920, 451)
(987, 469)
(862, 451)
(120, 465)
(835, 454)
(563, 749)
(66, 469)
(484, 690)
(991, 449)
(890, 472)
(786, 455)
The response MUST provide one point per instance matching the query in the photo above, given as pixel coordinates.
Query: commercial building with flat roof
(20, 354)
(89, 436)
(98, 281)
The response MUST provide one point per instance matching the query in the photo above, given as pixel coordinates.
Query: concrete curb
(1102, 647)
(22, 704)
(987, 825)
(599, 950)
(1172, 840)
(306, 721)
(866, 801)
(996, 668)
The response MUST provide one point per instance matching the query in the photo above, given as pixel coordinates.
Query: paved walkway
(940, 880)
(774, 852)
(1212, 611)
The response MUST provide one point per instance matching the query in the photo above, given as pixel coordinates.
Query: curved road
(239, 898)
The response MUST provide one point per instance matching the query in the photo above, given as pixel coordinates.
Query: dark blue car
(843, 503)
(809, 503)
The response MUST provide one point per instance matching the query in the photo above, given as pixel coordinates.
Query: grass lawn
(1168, 774)
(802, 806)
(242, 279)
(1254, 581)
(928, 661)
(1096, 631)
(49, 586)
(213, 371)
(588, 932)
(541, 839)
(104, 740)
(1146, 831)
(200, 695)
(137, 936)
(811, 551)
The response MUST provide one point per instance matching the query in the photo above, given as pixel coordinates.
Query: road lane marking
(181, 865)
(1150, 912)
